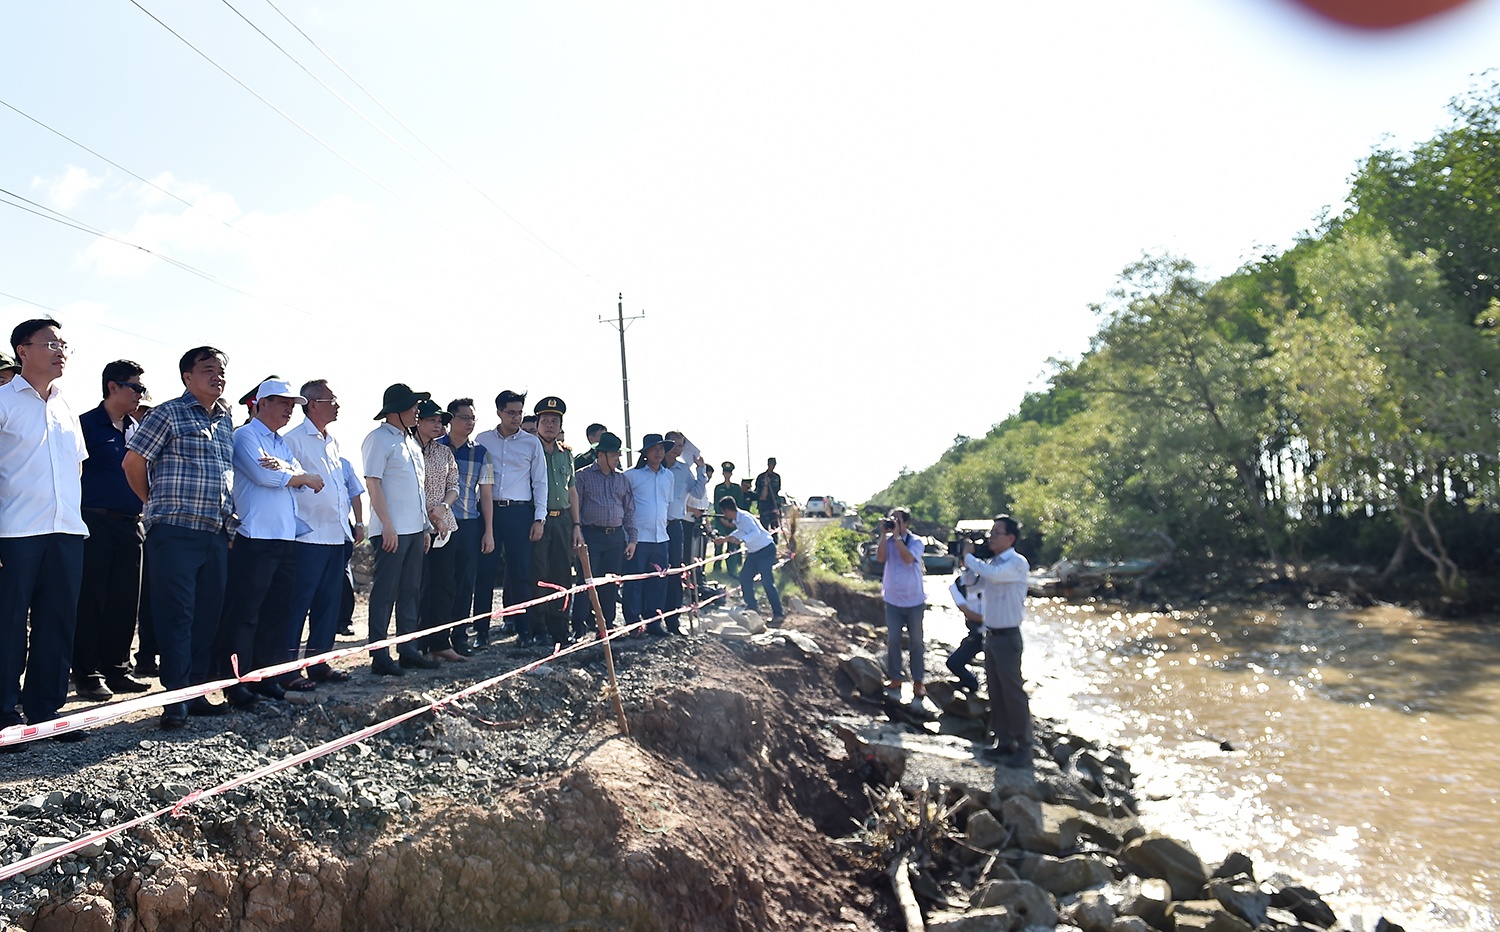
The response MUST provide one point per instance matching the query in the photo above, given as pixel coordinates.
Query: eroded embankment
(716, 813)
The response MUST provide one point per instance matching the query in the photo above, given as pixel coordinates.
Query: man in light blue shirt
(651, 484)
(760, 556)
(263, 558)
(684, 483)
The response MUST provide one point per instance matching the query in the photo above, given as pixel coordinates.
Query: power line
(47, 213)
(388, 112)
(129, 333)
(313, 136)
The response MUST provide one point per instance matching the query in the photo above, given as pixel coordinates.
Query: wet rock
(1091, 912)
(1061, 876)
(1306, 905)
(1106, 832)
(985, 831)
(1205, 916)
(865, 673)
(1235, 865)
(1243, 897)
(1146, 898)
(1155, 855)
(1040, 827)
(1130, 924)
(996, 919)
(1027, 903)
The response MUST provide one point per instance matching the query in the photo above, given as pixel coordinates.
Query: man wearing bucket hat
(606, 511)
(263, 559)
(552, 555)
(651, 484)
(9, 369)
(396, 478)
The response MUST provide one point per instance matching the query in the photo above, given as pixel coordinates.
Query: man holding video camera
(1001, 580)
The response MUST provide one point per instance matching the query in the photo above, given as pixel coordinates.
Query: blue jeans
(315, 599)
(188, 569)
(644, 598)
(760, 563)
(909, 618)
(39, 576)
(963, 655)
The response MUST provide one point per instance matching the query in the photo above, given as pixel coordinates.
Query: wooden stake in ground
(609, 655)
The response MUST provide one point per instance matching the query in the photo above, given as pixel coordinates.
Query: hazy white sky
(857, 229)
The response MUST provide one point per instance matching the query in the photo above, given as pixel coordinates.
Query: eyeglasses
(464, 417)
(326, 401)
(516, 413)
(56, 346)
(136, 387)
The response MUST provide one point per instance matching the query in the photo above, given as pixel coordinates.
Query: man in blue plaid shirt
(475, 513)
(179, 462)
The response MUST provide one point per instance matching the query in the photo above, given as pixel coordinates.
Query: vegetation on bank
(1335, 402)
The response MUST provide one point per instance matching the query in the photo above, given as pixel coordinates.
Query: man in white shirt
(396, 478)
(320, 548)
(519, 507)
(760, 556)
(41, 528)
(685, 484)
(1001, 581)
(651, 486)
(263, 560)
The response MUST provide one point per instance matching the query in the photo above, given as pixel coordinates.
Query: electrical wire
(47, 213)
(316, 138)
(129, 333)
(438, 155)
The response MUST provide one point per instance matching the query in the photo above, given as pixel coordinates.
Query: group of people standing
(246, 534)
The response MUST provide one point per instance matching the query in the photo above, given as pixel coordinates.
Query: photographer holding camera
(1001, 580)
(905, 600)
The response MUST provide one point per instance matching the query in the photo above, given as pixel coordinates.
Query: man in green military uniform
(552, 555)
(722, 528)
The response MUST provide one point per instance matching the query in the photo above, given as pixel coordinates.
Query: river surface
(1365, 757)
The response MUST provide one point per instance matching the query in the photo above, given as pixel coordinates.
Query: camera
(888, 524)
(980, 540)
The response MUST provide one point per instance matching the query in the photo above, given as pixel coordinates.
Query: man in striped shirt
(606, 509)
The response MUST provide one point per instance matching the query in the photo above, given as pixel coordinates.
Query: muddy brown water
(1365, 758)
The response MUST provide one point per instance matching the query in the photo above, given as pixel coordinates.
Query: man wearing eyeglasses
(475, 538)
(41, 528)
(520, 510)
(110, 600)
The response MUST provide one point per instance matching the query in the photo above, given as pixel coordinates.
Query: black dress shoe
(200, 707)
(385, 666)
(240, 696)
(91, 687)
(418, 662)
(147, 667)
(72, 737)
(464, 649)
(268, 689)
(174, 716)
(125, 683)
(347, 631)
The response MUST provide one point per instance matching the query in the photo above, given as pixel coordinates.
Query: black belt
(995, 632)
(680, 521)
(507, 502)
(601, 528)
(106, 513)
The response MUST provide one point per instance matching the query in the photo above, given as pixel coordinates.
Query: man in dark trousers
(768, 496)
(110, 599)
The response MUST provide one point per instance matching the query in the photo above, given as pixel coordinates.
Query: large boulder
(866, 675)
(1145, 898)
(1241, 896)
(1236, 864)
(1061, 876)
(1041, 827)
(1155, 855)
(1205, 916)
(1027, 903)
(1130, 924)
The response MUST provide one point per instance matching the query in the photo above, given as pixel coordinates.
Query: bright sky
(856, 229)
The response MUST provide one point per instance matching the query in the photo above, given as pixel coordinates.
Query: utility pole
(621, 323)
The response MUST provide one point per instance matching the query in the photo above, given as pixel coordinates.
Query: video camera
(980, 540)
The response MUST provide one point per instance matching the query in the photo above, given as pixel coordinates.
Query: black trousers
(257, 603)
(606, 555)
(110, 598)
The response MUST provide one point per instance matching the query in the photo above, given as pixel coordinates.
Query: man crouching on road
(1001, 581)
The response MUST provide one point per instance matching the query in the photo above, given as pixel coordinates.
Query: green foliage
(1336, 395)
(836, 549)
